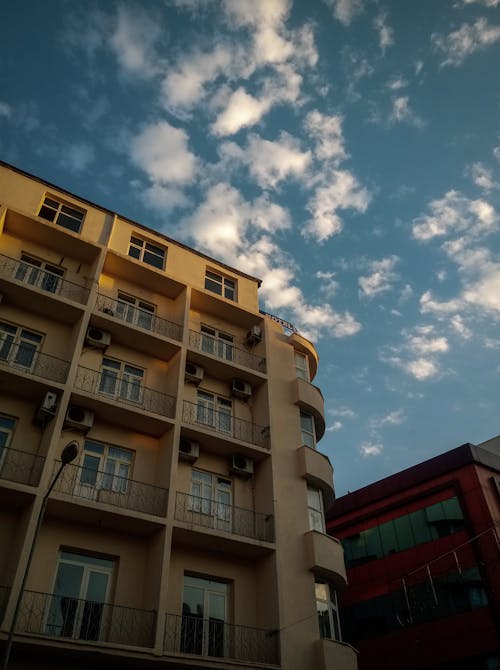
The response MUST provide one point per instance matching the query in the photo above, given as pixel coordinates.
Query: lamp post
(68, 454)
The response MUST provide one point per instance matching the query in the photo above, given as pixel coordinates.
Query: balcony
(215, 639)
(325, 557)
(69, 618)
(137, 318)
(214, 515)
(228, 356)
(26, 361)
(224, 426)
(316, 469)
(101, 487)
(34, 277)
(20, 467)
(335, 654)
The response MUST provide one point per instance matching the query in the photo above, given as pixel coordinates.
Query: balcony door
(38, 273)
(211, 497)
(214, 411)
(203, 617)
(80, 592)
(121, 380)
(103, 467)
(18, 346)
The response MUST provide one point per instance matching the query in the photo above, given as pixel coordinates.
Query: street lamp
(68, 454)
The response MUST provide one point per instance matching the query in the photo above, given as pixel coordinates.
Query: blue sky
(347, 152)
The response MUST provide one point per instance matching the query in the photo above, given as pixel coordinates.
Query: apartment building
(189, 531)
(423, 556)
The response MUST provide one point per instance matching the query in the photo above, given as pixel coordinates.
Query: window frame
(329, 604)
(143, 254)
(116, 370)
(222, 343)
(33, 343)
(104, 479)
(302, 371)
(221, 284)
(316, 511)
(35, 272)
(138, 309)
(204, 635)
(308, 437)
(8, 431)
(211, 406)
(216, 486)
(56, 205)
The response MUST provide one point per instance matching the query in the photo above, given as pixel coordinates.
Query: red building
(422, 553)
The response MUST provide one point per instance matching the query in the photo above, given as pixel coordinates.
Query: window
(302, 366)
(39, 273)
(211, 496)
(328, 611)
(104, 467)
(63, 215)
(220, 285)
(216, 343)
(307, 433)
(214, 411)
(121, 380)
(203, 616)
(18, 346)
(316, 513)
(7, 425)
(136, 311)
(81, 589)
(147, 252)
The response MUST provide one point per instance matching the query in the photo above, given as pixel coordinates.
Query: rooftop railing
(104, 487)
(137, 317)
(227, 518)
(29, 360)
(225, 424)
(21, 467)
(214, 638)
(126, 390)
(60, 616)
(36, 277)
(226, 351)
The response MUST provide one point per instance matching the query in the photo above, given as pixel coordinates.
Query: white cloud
(394, 418)
(242, 110)
(483, 177)
(418, 353)
(496, 153)
(469, 38)
(454, 213)
(336, 425)
(269, 162)
(385, 32)
(77, 157)
(161, 150)
(344, 412)
(486, 3)
(401, 112)
(341, 191)
(430, 306)
(459, 326)
(133, 42)
(345, 10)
(422, 341)
(396, 83)
(5, 110)
(326, 131)
(329, 285)
(371, 448)
(381, 279)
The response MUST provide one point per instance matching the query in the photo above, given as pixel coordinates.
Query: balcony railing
(20, 466)
(104, 487)
(226, 351)
(139, 318)
(34, 276)
(26, 358)
(286, 324)
(77, 619)
(219, 516)
(225, 424)
(124, 390)
(217, 639)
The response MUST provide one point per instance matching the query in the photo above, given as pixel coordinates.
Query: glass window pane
(421, 529)
(388, 537)
(373, 543)
(452, 509)
(404, 532)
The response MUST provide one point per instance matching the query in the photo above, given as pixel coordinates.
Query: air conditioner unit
(188, 450)
(242, 466)
(79, 418)
(194, 373)
(254, 336)
(108, 311)
(48, 407)
(98, 338)
(241, 389)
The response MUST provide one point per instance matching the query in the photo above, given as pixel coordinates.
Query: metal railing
(226, 351)
(286, 324)
(103, 487)
(225, 424)
(27, 359)
(214, 638)
(124, 390)
(77, 619)
(34, 276)
(20, 466)
(219, 516)
(137, 317)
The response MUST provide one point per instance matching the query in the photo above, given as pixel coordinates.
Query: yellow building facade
(189, 530)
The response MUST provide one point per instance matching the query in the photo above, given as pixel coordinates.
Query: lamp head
(70, 452)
